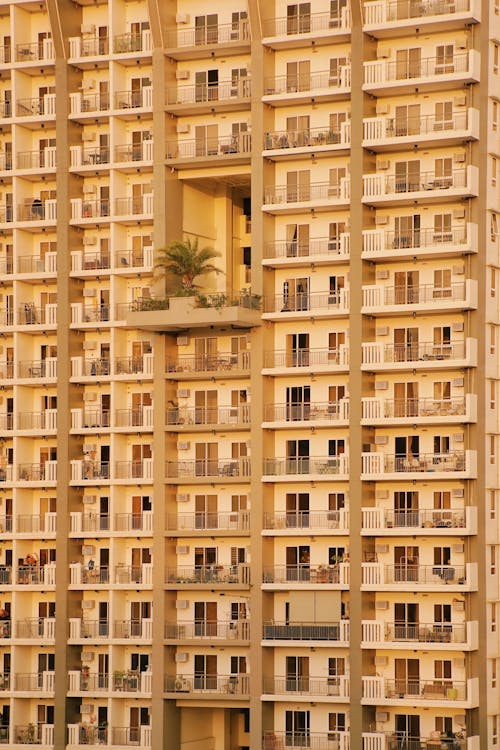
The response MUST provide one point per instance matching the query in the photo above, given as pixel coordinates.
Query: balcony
(90, 734)
(85, 263)
(138, 206)
(378, 356)
(426, 242)
(389, 77)
(89, 419)
(226, 630)
(89, 315)
(32, 734)
(285, 577)
(194, 367)
(415, 577)
(320, 251)
(385, 18)
(36, 265)
(208, 575)
(420, 693)
(306, 468)
(35, 211)
(199, 523)
(378, 411)
(36, 421)
(92, 368)
(322, 196)
(130, 43)
(82, 575)
(100, 523)
(133, 522)
(319, 413)
(390, 134)
(44, 524)
(35, 52)
(89, 156)
(87, 210)
(224, 685)
(34, 682)
(320, 688)
(44, 159)
(6, 213)
(120, 681)
(381, 189)
(87, 46)
(298, 31)
(428, 636)
(133, 629)
(387, 466)
(286, 144)
(88, 470)
(82, 681)
(38, 106)
(140, 365)
(322, 85)
(131, 418)
(133, 152)
(35, 628)
(223, 96)
(391, 741)
(306, 632)
(312, 740)
(134, 574)
(284, 523)
(450, 522)
(127, 470)
(287, 362)
(233, 149)
(191, 418)
(37, 472)
(192, 43)
(304, 305)
(87, 107)
(30, 315)
(81, 629)
(131, 99)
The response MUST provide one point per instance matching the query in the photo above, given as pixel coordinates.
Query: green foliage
(182, 263)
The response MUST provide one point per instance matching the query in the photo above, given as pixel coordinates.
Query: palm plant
(183, 262)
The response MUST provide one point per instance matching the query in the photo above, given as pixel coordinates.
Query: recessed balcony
(37, 107)
(425, 242)
(378, 411)
(280, 633)
(388, 76)
(128, 470)
(387, 18)
(90, 263)
(294, 31)
(284, 523)
(290, 144)
(320, 196)
(380, 189)
(136, 630)
(198, 471)
(131, 42)
(223, 96)
(420, 693)
(101, 524)
(188, 524)
(432, 636)
(387, 466)
(378, 356)
(304, 305)
(200, 630)
(89, 471)
(37, 472)
(327, 414)
(313, 740)
(43, 159)
(391, 740)
(286, 577)
(390, 134)
(87, 46)
(89, 211)
(122, 682)
(35, 52)
(450, 522)
(415, 577)
(35, 421)
(28, 682)
(40, 267)
(90, 368)
(90, 734)
(306, 688)
(138, 206)
(87, 107)
(34, 369)
(135, 575)
(193, 418)
(219, 364)
(200, 686)
(306, 468)
(208, 576)
(140, 365)
(192, 43)
(30, 315)
(320, 251)
(288, 362)
(126, 419)
(36, 575)
(37, 211)
(35, 628)
(32, 734)
(284, 90)
(88, 315)
(131, 153)
(134, 99)
(89, 419)
(85, 159)
(233, 149)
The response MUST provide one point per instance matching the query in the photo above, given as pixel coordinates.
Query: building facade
(266, 517)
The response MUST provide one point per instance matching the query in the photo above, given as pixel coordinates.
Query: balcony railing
(227, 33)
(229, 467)
(140, 205)
(329, 411)
(220, 361)
(208, 415)
(81, 681)
(37, 106)
(383, 128)
(141, 417)
(42, 51)
(308, 301)
(207, 93)
(306, 573)
(405, 573)
(81, 313)
(134, 365)
(338, 686)
(319, 191)
(32, 734)
(35, 627)
(284, 84)
(226, 685)
(392, 741)
(222, 146)
(86, 574)
(380, 12)
(434, 632)
(374, 408)
(28, 314)
(378, 72)
(328, 465)
(89, 157)
(134, 521)
(378, 240)
(236, 574)
(87, 469)
(37, 420)
(307, 520)
(37, 472)
(307, 631)
(237, 521)
(376, 296)
(439, 690)
(378, 184)
(374, 463)
(312, 137)
(37, 210)
(88, 46)
(134, 152)
(134, 99)
(43, 681)
(34, 264)
(88, 103)
(380, 518)
(312, 740)
(89, 419)
(41, 159)
(131, 629)
(307, 357)
(379, 353)
(308, 23)
(89, 208)
(331, 248)
(88, 628)
(134, 574)
(201, 629)
(134, 469)
(133, 42)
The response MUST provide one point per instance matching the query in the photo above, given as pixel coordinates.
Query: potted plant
(183, 262)
(85, 671)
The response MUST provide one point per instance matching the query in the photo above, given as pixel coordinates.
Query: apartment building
(265, 518)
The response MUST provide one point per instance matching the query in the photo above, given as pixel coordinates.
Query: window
(493, 390)
(494, 115)
(336, 724)
(493, 673)
(336, 229)
(239, 25)
(492, 448)
(442, 283)
(493, 171)
(493, 339)
(493, 560)
(494, 730)
(442, 500)
(298, 18)
(442, 390)
(494, 227)
(442, 555)
(336, 339)
(336, 178)
(493, 282)
(441, 444)
(442, 669)
(493, 617)
(495, 58)
(239, 82)
(443, 115)
(444, 59)
(336, 68)
(443, 172)
(444, 725)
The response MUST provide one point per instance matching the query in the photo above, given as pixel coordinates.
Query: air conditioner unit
(181, 656)
(384, 164)
(87, 28)
(382, 331)
(89, 499)
(183, 393)
(183, 497)
(382, 605)
(458, 605)
(458, 438)
(89, 345)
(460, 100)
(381, 661)
(382, 274)
(184, 445)
(87, 656)
(459, 213)
(182, 549)
(182, 18)
(457, 492)
(88, 604)
(88, 549)
(381, 439)
(458, 549)
(183, 341)
(89, 292)
(90, 240)
(382, 108)
(381, 385)
(89, 189)
(458, 663)
(182, 75)
(382, 716)
(458, 270)
(460, 44)
(90, 396)
(88, 84)
(182, 604)
(89, 135)
(86, 708)
(380, 220)
(89, 447)
(383, 54)
(457, 327)
(183, 127)
(458, 158)
(382, 494)
(381, 549)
